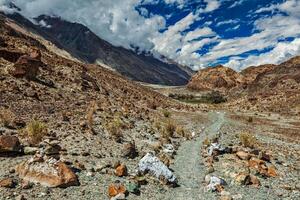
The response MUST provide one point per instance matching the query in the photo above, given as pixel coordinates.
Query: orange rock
(47, 172)
(256, 163)
(7, 183)
(115, 189)
(272, 171)
(121, 170)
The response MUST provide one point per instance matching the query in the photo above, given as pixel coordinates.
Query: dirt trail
(188, 165)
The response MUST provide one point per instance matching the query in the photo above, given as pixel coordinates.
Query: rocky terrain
(70, 130)
(272, 88)
(216, 78)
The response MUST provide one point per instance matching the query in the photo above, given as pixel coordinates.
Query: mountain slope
(215, 78)
(84, 45)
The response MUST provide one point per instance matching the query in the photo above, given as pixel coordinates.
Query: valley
(73, 130)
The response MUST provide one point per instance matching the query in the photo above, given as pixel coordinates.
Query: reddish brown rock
(48, 172)
(271, 171)
(27, 66)
(121, 170)
(7, 183)
(115, 189)
(9, 144)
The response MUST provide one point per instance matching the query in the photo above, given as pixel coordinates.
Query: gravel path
(188, 165)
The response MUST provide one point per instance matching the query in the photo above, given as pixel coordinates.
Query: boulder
(152, 165)
(46, 171)
(27, 66)
(9, 144)
(7, 183)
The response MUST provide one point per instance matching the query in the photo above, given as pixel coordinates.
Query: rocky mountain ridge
(86, 46)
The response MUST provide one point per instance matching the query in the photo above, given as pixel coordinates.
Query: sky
(196, 33)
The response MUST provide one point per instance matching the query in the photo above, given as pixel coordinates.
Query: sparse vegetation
(115, 129)
(248, 140)
(250, 119)
(213, 97)
(90, 115)
(206, 142)
(166, 113)
(35, 131)
(6, 117)
(168, 129)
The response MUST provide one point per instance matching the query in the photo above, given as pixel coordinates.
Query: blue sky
(197, 33)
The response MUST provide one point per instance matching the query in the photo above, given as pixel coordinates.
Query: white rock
(214, 182)
(168, 148)
(151, 164)
(120, 196)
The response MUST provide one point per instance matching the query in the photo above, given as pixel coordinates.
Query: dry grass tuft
(248, 140)
(166, 113)
(7, 117)
(90, 115)
(168, 129)
(35, 131)
(115, 129)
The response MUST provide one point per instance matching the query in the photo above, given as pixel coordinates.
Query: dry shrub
(169, 129)
(115, 128)
(248, 140)
(7, 117)
(166, 113)
(90, 115)
(35, 132)
(206, 142)
(250, 119)
(180, 131)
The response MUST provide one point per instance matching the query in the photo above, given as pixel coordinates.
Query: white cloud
(237, 3)
(231, 21)
(282, 52)
(211, 5)
(116, 21)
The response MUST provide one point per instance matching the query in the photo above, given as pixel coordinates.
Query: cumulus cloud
(116, 21)
(122, 24)
(282, 52)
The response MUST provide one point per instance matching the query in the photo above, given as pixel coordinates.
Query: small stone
(26, 184)
(264, 156)
(132, 188)
(210, 170)
(241, 178)
(20, 197)
(271, 171)
(7, 183)
(243, 155)
(115, 189)
(121, 170)
(129, 150)
(30, 150)
(120, 196)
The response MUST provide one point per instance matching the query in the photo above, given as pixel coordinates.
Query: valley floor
(276, 135)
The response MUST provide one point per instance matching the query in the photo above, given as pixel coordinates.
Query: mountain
(250, 73)
(215, 78)
(86, 46)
